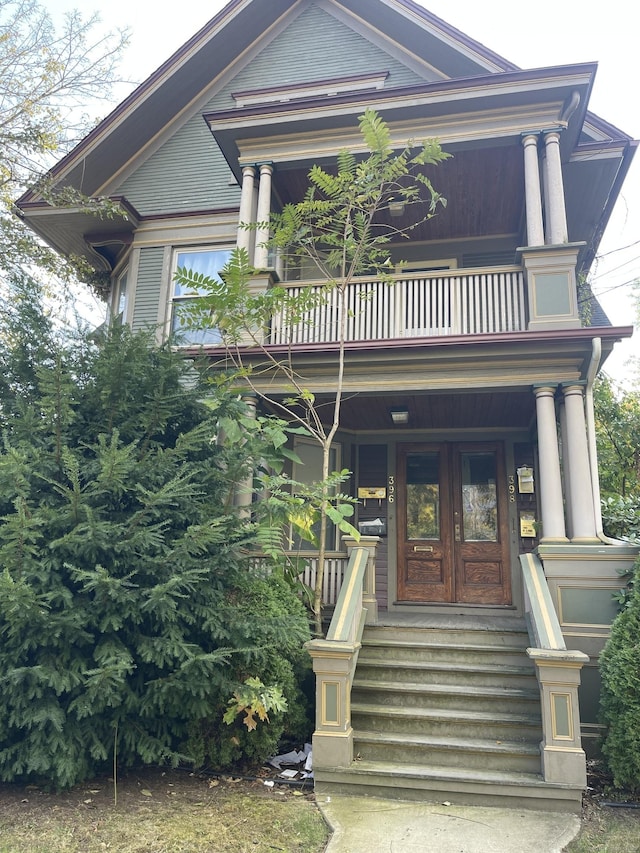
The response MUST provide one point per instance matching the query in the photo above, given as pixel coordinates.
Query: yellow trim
(554, 728)
(548, 624)
(353, 579)
(560, 588)
(323, 711)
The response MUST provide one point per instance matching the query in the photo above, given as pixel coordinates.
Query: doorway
(453, 543)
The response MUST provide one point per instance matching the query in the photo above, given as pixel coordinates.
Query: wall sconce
(396, 208)
(399, 416)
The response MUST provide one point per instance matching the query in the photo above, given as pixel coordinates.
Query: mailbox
(375, 527)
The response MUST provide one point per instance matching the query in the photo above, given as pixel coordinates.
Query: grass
(160, 812)
(609, 831)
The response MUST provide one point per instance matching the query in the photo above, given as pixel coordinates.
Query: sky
(531, 35)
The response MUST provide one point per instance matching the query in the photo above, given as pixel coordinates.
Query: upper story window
(119, 299)
(206, 260)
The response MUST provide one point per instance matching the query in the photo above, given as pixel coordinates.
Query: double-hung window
(119, 297)
(206, 260)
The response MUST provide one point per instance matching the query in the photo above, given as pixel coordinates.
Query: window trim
(334, 546)
(176, 299)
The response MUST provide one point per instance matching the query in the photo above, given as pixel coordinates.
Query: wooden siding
(372, 473)
(187, 173)
(315, 46)
(148, 285)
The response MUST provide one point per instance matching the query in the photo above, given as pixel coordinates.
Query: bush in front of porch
(129, 612)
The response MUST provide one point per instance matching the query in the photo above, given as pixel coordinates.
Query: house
(468, 425)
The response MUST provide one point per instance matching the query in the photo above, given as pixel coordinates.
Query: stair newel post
(369, 600)
(334, 663)
(558, 672)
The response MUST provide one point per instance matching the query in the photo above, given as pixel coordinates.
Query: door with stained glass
(452, 524)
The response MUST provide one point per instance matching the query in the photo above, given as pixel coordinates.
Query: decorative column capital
(576, 387)
(545, 390)
(552, 134)
(530, 137)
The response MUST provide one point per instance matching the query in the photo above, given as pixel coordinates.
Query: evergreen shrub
(129, 612)
(620, 694)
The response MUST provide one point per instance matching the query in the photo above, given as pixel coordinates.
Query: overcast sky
(531, 35)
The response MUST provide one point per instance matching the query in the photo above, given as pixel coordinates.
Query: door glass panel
(479, 497)
(423, 496)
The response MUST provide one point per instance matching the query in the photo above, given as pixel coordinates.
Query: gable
(189, 172)
(316, 45)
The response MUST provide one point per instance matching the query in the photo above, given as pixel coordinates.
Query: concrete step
(442, 721)
(448, 751)
(446, 672)
(457, 785)
(448, 708)
(452, 696)
(438, 650)
(464, 633)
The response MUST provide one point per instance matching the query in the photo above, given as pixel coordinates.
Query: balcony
(449, 302)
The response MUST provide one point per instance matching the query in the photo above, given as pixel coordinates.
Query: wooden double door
(453, 543)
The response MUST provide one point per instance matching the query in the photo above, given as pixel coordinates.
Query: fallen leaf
(214, 783)
(86, 802)
(298, 794)
(146, 792)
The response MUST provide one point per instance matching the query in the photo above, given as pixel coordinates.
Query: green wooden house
(462, 659)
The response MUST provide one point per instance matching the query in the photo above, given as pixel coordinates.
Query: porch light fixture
(396, 207)
(399, 416)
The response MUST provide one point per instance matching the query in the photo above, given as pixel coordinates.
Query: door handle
(428, 548)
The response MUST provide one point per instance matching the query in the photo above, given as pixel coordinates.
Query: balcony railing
(451, 302)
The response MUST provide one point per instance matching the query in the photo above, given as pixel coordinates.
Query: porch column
(564, 466)
(551, 506)
(246, 239)
(261, 257)
(555, 187)
(243, 497)
(580, 499)
(533, 197)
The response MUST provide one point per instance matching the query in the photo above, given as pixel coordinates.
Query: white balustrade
(456, 302)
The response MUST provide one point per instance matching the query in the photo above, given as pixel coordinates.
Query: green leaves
(253, 699)
(127, 599)
(620, 694)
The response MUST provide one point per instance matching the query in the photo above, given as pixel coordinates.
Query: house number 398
(512, 489)
(392, 489)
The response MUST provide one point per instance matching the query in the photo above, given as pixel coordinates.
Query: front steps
(448, 709)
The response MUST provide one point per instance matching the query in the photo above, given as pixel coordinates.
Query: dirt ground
(161, 811)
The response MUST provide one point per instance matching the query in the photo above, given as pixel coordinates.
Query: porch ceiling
(477, 184)
(495, 410)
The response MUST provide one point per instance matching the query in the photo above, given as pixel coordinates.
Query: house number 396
(392, 489)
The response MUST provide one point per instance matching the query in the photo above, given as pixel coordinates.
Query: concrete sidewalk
(370, 825)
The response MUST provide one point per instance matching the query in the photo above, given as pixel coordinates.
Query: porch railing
(558, 674)
(334, 569)
(451, 302)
